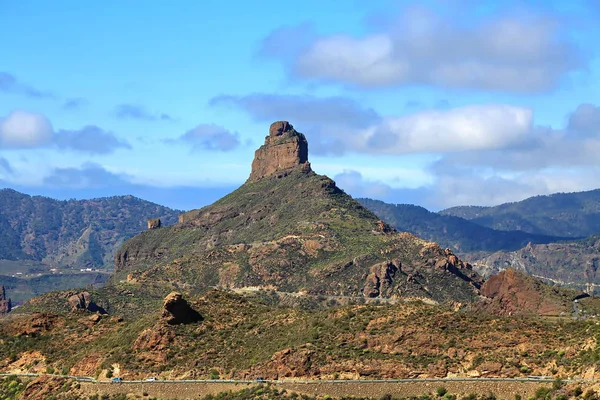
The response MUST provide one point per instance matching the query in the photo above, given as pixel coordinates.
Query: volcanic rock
(154, 223)
(5, 304)
(176, 310)
(381, 278)
(82, 301)
(292, 230)
(284, 150)
(512, 292)
(45, 387)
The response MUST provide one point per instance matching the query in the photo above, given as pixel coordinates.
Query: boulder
(284, 150)
(176, 310)
(82, 301)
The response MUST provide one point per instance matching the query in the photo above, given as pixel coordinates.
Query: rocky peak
(284, 150)
(5, 304)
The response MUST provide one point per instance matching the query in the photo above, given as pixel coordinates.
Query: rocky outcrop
(82, 301)
(154, 223)
(176, 310)
(35, 324)
(153, 343)
(285, 149)
(512, 292)
(380, 279)
(5, 304)
(46, 387)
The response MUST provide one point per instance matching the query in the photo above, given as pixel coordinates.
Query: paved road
(315, 381)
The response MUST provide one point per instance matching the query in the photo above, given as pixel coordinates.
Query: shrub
(441, 391)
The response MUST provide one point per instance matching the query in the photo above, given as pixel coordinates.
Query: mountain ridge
(459, 234)
(77, 233)
(575, 214)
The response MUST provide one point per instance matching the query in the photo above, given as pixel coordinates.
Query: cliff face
(284, 150)
(5, 304)
(292, 230)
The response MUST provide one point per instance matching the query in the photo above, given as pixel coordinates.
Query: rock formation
(381, 278)
(5, 304)
(154, 223)
(512, 292)
(82, 301)
(284, 150)
(176, 310)
(293, 230)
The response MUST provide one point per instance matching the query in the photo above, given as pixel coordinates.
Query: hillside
(574, 215)
(289, 229)
(289, 277)
(74, 233)
(459, 234)
(574, 263)
(267, 335)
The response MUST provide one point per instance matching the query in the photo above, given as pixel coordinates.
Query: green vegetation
(254, 335)
(299, 232)
(11, 387)
(451, 231)
(77, 233)
(564, 214)
(272, 393)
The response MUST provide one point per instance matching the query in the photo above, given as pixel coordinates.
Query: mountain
(309, 284)
(574, 215)
(573, 263)
(450, 231)
(289, 229)
(75, 233)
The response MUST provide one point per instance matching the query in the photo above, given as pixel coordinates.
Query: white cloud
(477, 127)
(22, 129)
(518, 53)
(27, 130)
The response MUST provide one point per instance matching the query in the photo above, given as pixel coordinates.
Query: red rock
(284, 150)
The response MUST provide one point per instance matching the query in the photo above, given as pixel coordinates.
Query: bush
(441, 391)
(557, 384)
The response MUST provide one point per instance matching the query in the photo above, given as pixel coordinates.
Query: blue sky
(437, 103)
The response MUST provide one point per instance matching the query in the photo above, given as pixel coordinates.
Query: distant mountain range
(456, 233)
(553, 237)
(573, 215)
(76, 233)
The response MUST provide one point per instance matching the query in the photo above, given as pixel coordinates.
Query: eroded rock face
(512, 292)
(154, 223)
(36, 324)
(82, 301)
(380, 278)
(43, 387)
(178, 311)
(284, 150)
(5, 304)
